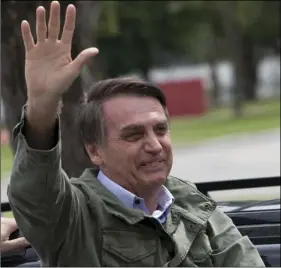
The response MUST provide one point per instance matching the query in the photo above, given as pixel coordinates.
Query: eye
(161, 129)
(133, 137)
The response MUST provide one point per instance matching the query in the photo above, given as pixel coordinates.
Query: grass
(6, 160)
(8, 214)
(258, 116)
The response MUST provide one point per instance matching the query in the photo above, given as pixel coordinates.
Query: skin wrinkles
(137, 153)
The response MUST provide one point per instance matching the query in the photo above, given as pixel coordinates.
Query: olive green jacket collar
(189, 202)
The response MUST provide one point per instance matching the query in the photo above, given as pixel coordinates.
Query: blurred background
(217, 61)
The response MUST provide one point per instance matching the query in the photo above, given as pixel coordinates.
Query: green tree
(147, 30)
(257, 24)
(248, 29)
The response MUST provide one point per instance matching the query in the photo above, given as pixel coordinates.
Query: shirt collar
(124, 195)
(165, 198)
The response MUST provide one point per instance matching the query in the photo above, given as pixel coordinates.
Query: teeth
(153, 164)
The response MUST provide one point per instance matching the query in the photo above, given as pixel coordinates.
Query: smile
(153, 165)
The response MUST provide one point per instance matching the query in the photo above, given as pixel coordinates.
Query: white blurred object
(268, 76)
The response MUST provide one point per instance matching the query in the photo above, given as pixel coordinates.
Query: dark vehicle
(259, 220)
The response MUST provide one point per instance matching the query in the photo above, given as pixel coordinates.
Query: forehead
(122, 111)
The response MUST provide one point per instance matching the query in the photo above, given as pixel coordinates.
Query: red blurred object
(5, 137)
(185, 97)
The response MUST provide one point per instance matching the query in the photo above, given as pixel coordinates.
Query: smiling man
(128, 211)
(131, 145)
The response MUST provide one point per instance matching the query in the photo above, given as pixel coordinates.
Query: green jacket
(78, 222)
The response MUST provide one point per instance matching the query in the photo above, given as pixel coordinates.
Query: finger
(84, 57)
(18, 243)
(27, 36)
(12, 224)
(54, 21)
(69, 24)
(41, 28)
(8, 221)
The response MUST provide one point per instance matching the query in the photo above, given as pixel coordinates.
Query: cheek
(131, 153)
(167, 144)
(123, 154)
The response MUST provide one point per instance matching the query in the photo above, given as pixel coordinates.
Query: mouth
(153, 165)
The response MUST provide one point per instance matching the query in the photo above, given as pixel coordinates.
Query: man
(129, 211)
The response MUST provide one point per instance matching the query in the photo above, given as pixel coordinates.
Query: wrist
(42, 115)
(43, 105)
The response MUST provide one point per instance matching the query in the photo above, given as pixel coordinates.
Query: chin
(156, 179)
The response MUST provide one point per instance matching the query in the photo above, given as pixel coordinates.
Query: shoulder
(172, 180)
(179, 187)
(189, 198)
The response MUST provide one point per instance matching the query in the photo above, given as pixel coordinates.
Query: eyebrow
(134, 127)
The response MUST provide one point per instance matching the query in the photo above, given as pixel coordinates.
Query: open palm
(49, 68)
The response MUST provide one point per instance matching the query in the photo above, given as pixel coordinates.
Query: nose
(153, 145)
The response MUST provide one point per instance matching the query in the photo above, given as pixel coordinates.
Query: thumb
(84, 57)
(18, 243)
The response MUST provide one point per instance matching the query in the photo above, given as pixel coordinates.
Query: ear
(94, 154)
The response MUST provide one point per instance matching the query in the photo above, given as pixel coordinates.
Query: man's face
(137, 153)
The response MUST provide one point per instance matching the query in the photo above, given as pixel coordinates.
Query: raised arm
(40, 193)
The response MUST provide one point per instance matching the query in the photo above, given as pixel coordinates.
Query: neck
(151, 203)
(150, 196)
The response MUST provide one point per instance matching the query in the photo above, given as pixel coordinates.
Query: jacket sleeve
(230, 248)
(43, 200)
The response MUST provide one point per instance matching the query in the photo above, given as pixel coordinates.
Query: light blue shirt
(165, 198)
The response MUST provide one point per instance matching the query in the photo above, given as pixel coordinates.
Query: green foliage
(146, 30)
(139, 33)
(248, 13)
(109, 20)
